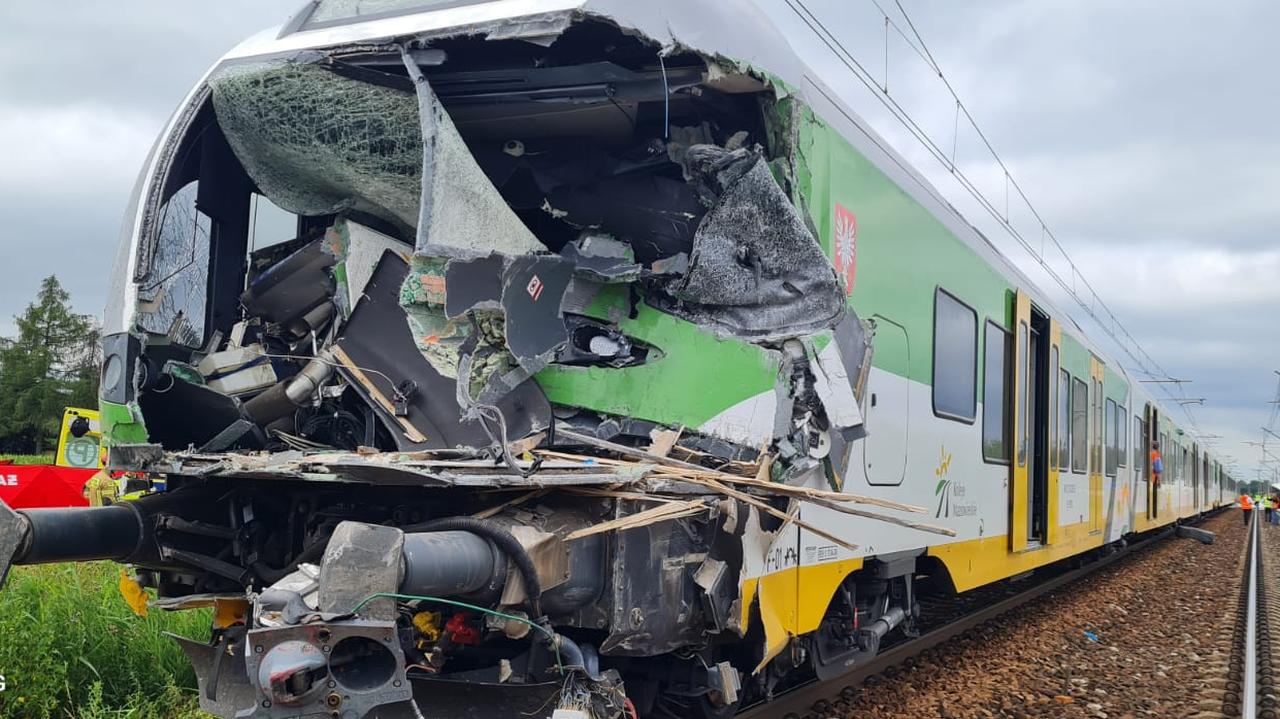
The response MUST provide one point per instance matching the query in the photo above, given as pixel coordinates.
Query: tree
(51, 364)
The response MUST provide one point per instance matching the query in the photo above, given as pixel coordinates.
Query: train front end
(446, 343)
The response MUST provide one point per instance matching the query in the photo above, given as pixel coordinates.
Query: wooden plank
(698, 470)
(486, 513)
(410, 431)
(770, 509)
(661, 513)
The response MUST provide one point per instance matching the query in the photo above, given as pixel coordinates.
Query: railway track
(1258, 640)
(816, 697)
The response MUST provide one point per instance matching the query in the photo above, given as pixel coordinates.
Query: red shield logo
(845, 243)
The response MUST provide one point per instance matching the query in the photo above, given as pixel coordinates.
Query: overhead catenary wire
(1075, 285)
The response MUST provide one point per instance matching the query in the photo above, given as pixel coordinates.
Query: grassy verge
(28, 458)
(71, 647)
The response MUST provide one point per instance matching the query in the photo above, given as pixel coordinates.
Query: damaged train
(602, 361)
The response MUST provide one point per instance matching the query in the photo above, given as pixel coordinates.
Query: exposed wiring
(492, 413)
(397, 395)
(550, 635)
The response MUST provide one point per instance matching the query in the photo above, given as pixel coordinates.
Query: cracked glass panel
(171, 299)
(317, 143)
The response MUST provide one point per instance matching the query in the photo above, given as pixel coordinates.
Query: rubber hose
(506, 543)
(270, 575)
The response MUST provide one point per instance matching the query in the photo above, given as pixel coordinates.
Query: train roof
(739, 31)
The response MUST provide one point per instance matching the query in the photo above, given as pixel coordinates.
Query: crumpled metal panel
(361, 560)
(13, 530)
(461, 214)
(756, 270)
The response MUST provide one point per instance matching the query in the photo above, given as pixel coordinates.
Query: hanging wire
(1093, 306)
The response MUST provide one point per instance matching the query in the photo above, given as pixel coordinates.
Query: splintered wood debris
(750, 488)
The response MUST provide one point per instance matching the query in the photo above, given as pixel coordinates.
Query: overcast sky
(1144, 132)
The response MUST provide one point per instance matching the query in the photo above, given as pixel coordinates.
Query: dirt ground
(1150, 635)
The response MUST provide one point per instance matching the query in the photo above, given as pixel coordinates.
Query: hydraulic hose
(503, 540)
(80, 534)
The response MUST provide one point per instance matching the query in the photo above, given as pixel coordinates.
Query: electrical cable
(550, 635)
(1107, 320)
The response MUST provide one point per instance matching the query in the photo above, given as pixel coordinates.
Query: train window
(1064, 419)
(1054, 426)
(174, 292)
(995, 410)
(955, 358)
(1139, 435)
(1079, 426)
(1167, 454)
(1122, 441)
(1111, 433)
(269, 224)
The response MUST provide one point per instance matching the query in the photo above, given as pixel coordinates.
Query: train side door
(1149, 435)
(1096, 459)
(1034, 343)
(1196, 495)
(888, 406)
(1053, 388)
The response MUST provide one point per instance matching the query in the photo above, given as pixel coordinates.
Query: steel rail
(810, 698)
(1249, 689)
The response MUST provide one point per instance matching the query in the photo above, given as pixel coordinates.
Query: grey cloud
(85, 88)
(1143, 130)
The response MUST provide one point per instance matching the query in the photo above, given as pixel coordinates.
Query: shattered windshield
(337, 12)
(172, 297)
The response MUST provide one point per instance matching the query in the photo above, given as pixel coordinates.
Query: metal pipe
(303, 386)
(446, 564)
(79, 534)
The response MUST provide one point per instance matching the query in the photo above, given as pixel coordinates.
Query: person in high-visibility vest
(1246, 507)
(1157, 464)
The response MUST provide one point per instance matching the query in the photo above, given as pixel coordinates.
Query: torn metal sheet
(460, 213)
(181, 413)
(602, 258)
(756, 270)
(361, 249)
(835, 387)
(390, 468)
(532, 290)
(377, 338)
(359, 560)
(473, 284)
(291, 287)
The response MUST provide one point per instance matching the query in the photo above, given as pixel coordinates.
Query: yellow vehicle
(79, 441)
(80, 446)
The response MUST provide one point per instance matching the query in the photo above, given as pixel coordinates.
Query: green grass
(29, 458)
(71, 647)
